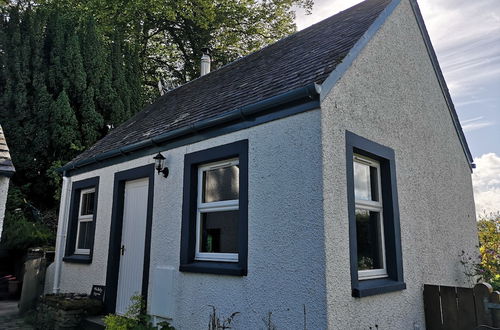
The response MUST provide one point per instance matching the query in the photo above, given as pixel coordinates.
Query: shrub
(485, 267)
(20, 233)
(24, 226)
(135, 318)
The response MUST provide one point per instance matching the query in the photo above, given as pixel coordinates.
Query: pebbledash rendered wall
(4, 189)
(286, 258)
(390, 95)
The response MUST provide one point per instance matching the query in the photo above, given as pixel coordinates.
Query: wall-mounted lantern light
(160, 164)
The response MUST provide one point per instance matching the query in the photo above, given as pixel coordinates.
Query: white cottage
(324, 179)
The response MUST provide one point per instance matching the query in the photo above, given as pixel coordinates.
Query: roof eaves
(309, 92)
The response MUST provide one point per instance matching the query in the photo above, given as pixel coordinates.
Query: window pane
(87, 203)
(219, 232)
(84, 235)
(369, 240)
(365, 182)
(221, 184)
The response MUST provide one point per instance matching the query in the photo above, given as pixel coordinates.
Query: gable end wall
(390, 95)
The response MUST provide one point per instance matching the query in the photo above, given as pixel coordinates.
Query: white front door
(135, 204)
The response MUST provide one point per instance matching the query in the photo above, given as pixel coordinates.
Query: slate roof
(305, 57)
(6, 166)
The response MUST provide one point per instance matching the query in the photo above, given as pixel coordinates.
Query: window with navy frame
(214, 234)
(81, 222)
(374, 229)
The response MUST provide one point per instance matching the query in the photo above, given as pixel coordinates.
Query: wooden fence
(455, 308)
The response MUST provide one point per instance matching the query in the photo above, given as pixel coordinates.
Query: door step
(94, 323)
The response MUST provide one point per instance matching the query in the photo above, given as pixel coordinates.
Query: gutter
(308, 92)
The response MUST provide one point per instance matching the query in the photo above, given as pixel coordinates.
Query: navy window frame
(76, 189)
(192, 161)
(356, 144)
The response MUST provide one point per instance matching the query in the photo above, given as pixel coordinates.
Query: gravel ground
(9, 318)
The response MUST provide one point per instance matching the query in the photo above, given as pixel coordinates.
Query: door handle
(122, 250)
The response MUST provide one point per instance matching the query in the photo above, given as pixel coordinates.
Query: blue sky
(466, 38)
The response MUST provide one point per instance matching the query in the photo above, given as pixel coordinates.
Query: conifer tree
(105, 94)
(72, 65)
(133, 77)
(92, 53)
(40, 100)
(64, 126)
(54, 53)
(91, 121)
(62, 85)
(120, 110)
(15, 99)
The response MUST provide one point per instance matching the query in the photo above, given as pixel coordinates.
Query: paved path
(9, 318)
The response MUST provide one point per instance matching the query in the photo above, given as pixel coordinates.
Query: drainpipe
(61, 232)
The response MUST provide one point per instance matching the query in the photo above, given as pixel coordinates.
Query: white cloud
(463, 122)
(475, 123)
(475, 126)
(486, 182)
(466, 37)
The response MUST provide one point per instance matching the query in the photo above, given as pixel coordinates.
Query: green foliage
(61, 85)
(54, 179)
(489, 247)
(91, 119)
(135, 318)
(168, 35)
(63, 125)
(20, 233)
(485, 267)
(24, 226)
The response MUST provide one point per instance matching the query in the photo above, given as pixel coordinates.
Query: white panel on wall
(163, 292)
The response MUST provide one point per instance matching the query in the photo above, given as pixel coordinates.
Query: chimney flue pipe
(205, 62)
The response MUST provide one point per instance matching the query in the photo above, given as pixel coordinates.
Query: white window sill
(223, 257)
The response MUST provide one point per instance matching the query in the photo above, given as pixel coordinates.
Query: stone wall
(65, 311)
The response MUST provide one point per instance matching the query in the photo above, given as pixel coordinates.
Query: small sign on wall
(98, 292)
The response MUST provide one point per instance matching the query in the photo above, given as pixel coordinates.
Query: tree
(169, 35)
(64, 127)
(485, 267)
(489, 246)
(54, 76)
(91, 121)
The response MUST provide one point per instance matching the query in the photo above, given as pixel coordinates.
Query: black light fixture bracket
(160, 164)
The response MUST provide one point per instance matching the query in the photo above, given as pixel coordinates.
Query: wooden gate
(455, 308)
